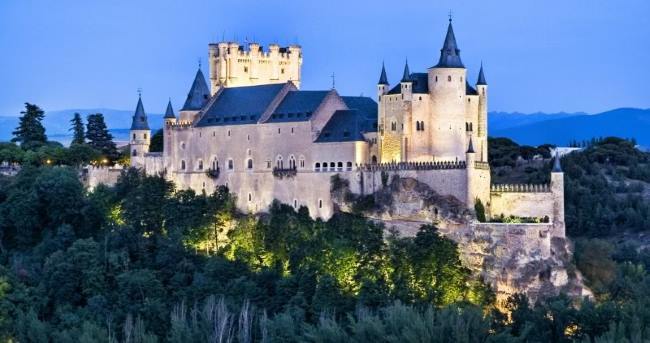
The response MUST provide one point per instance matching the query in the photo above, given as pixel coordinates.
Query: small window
(145, 136)
(183, 145)
(134, 136)
(317, 167)
(230, 164)
(295, 203)
(449, 78)
(135, 152)
(282, 71)
(324, 166)
(249, 164)
(339, 166)
(228, 133)
(278, 130)
(349, 166)
(250, 197)
(200, 165)
(332, 166)
(245, 69)
(320, 203)
(182, 164)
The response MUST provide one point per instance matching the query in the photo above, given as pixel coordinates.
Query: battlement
(521, 188)
(235, 65)
(413, 166)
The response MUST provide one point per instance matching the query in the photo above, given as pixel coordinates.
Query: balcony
(212, 173)
(284, 172)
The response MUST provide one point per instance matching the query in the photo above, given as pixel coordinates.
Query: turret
(557, 189)
(382, 85)
(406, 83)
(140, 136)
(170, 117)
(447, 87)
(470, 159)
(197, 97)
(481, 89)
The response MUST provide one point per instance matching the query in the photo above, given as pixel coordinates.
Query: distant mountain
(622, 122)
(505, 120)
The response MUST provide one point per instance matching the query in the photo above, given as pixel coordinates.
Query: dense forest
(144, 262)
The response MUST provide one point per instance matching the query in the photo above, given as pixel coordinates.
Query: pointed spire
(481, 77)
(198, 95)
(140, 117)
(407, 73)
(557, 167)
(169, 113)
(470, 148)
(450, 54)
(383, 79)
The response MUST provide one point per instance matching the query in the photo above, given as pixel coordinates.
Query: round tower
(140, 136)
(382, 85)
(481, 133)
(448, 92)
(557, 189)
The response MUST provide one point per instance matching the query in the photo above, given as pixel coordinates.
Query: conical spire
(198, 95)
(450, 54)
(169, 113)
(481, 77)
(557, 167)
(406, 77)
(140, 117)
(383, 79)
(470, 148)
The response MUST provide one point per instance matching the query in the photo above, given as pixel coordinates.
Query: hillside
(622, 122)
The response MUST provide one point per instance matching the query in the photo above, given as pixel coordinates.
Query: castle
(256, 132)
(421, 147)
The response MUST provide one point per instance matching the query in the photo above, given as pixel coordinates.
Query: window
(245, 69)
(134, 136)
(230, 164)
(278, 131)
(320, 203)
(135, 152)
(421, 126)
(250, 197)
(215, 163)
(295, 203)
(145, 136)
(449, 78)
(349, 166)
(282, 71)
(317, 167)
(183, 145)
(291, 130)
(324, 166)
(339, 166)
(302, 162)
(249, 164)
(228, 133)
(200, 165)
(393, 126)
(374, 159)
(461, 79)
(292, 162)
(332, 166)
(248, 137)
(268, 164)
(279, 163)
(182, 164)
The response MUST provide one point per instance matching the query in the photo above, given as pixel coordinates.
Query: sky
(550, 56)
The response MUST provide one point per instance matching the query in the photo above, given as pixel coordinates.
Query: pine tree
(30, 130)
(98, 136)
(77, 129)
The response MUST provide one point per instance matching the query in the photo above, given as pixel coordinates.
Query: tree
(157, 142)
(30, 130)
(78, 132)
(99, 137)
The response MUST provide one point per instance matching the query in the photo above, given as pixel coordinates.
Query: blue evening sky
(552, 55)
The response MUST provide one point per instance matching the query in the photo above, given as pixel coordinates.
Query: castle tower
(481, 133)
(557, 189)
(470, 158)
(197, 97)
(140, 136)
(382, 85)
(406, 83)
(447, 88)
(170, 120)
(233, 65)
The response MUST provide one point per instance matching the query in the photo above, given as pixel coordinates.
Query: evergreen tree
(157, 142)
(99, 137)
(30, 130)
(78, 132)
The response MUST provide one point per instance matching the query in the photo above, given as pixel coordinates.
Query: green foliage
(157, 141)
(30, 131)
(78, 132)
(99, 138)
(480, 211)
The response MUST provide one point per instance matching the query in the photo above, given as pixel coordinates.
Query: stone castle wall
(92, 176)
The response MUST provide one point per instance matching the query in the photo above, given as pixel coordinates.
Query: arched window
(301, 162)
(249, 164)
(182, 164)
(135, 152)
(421, 126)
(231, 165)
(374, 159)
(215, 163)
(324, 166)
(349, 166)
(332, 166)
(145, 136)
(292, 162)
(317, 167)
(295, 203)
(320, 203)
(339, 166)
(200, 165)
(279, 163)
(449, 78)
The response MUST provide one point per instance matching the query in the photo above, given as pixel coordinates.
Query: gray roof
(406, 76)
(367, 109)
(481, 77)
(298, 106)
(169, 113)
(344, 126)
(469, 90)
(240, 105)
(450, 54)
(139, 117)
(470, 148)
(383, 79)
(420, 84)
(199, 94)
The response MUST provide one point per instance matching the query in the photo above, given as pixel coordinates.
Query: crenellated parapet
(521, 188)
(412, 166)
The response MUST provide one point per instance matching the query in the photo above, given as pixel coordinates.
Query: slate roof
(450, 54)
(469, 90)
(383, 79)
(298, 106)
(366, 108)
(420, 84)
(169, 113)
(481, 77)
(139, 117)
(199, 94)
(406, 76)
(240, 105)
(344, 126)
